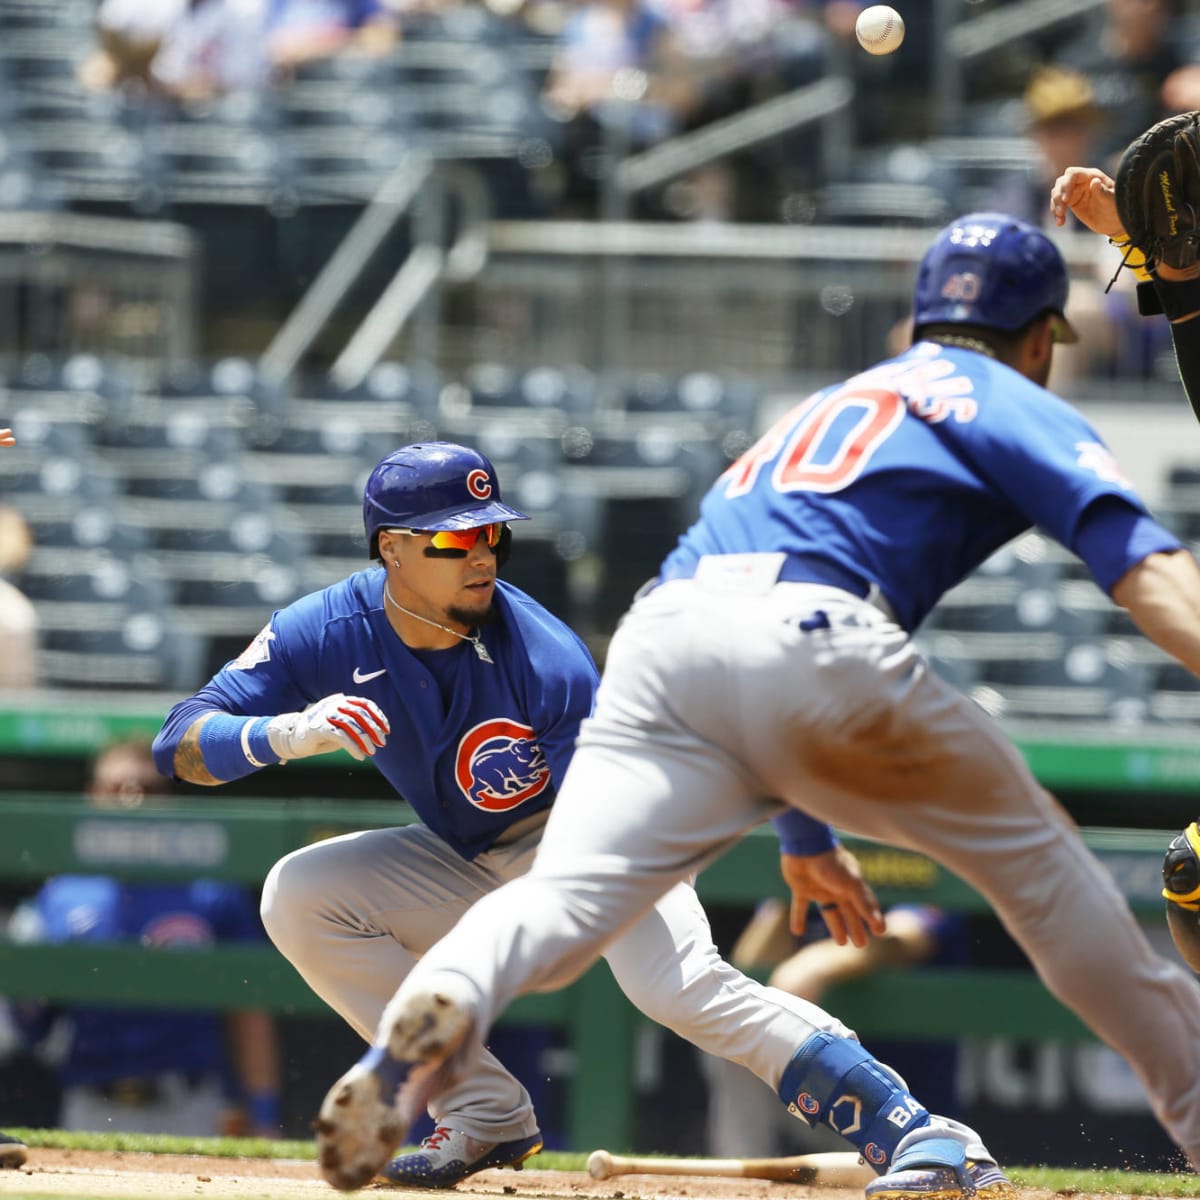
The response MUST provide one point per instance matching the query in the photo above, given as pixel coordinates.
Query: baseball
(879, 29)
(599, 1164)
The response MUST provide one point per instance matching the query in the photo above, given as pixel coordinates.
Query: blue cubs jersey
(474, 745)
(909, 475)
(111, 1043)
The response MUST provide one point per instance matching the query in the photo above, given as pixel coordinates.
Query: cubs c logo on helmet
(499, 765)
(478, 484)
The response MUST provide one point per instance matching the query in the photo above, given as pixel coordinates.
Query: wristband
(1134, 259)
(232, 747)
(801, 834)
(263, 1108)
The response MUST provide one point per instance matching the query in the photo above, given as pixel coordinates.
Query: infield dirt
(88, 1173)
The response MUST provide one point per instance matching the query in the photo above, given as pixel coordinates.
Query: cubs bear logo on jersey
(500, 765)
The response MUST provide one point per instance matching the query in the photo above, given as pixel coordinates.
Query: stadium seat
(41, 435)
(388, 382)
(93, 577)
(1175, 695)
(1032, 561)
(178, 433)
(219, 481)
(141, 649)
(1028, 610)
(232, 384)
(570, 390)
(1093, 679)
(330, 512)
(83, 386)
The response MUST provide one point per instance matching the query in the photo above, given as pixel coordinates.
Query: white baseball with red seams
(879, 29)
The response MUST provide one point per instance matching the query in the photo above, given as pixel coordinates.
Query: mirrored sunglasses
(459, 539)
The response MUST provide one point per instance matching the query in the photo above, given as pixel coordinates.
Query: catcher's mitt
(1181, 890)
(1158, 191)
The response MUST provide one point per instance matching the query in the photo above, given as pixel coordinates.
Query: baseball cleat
(368, 1112)
(941, 1183)
(13, 1152)
(447, 1156)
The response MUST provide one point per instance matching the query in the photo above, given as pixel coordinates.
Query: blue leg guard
(833, 1079)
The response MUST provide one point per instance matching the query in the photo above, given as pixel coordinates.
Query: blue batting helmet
(994, 271)
(433, 485)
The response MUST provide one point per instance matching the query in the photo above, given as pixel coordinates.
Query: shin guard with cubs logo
(834, 1080)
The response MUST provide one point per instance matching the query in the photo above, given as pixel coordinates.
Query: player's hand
(1091, 195)
(7, 438)
(834, 880)
(338, 722)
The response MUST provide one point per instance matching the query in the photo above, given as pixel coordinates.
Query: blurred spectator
(152, 1071)
(744, 1117)
(1065, 125)
(723, 55)
(213, 47)
(198, 49)
(719, 58)
(607, 63)
(630, 73)
(302, 30)
(128, 36)
(18, 618)
(1128, 59)
(605, 88)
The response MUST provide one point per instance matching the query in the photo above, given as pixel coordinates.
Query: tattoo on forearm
(189, 763)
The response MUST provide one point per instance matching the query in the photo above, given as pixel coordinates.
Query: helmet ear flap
(503, 547)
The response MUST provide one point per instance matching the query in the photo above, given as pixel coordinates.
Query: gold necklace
(967, 343)
(480, 649)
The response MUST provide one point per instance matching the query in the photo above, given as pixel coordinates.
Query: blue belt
(797, 568)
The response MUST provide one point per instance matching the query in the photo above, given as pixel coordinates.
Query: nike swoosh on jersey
(359, 677)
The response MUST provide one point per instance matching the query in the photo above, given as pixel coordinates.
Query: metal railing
(781, 303)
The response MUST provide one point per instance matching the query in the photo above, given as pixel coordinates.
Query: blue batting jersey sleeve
(473, 748)
(941, 445)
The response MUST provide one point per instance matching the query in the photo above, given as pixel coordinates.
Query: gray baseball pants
(353, 914)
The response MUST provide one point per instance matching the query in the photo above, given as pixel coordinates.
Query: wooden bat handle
(836, 1169)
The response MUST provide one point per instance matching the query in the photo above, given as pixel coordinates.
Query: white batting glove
(338, 722)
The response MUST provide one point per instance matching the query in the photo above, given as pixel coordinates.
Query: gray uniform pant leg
(850, 724)
(669, 967)
(353, 914)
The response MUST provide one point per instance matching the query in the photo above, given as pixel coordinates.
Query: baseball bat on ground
(841, 1168)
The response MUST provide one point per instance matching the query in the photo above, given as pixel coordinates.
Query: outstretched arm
(1162, 595)
(209, 746)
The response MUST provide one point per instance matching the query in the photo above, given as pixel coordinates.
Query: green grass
(1065, 1181)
